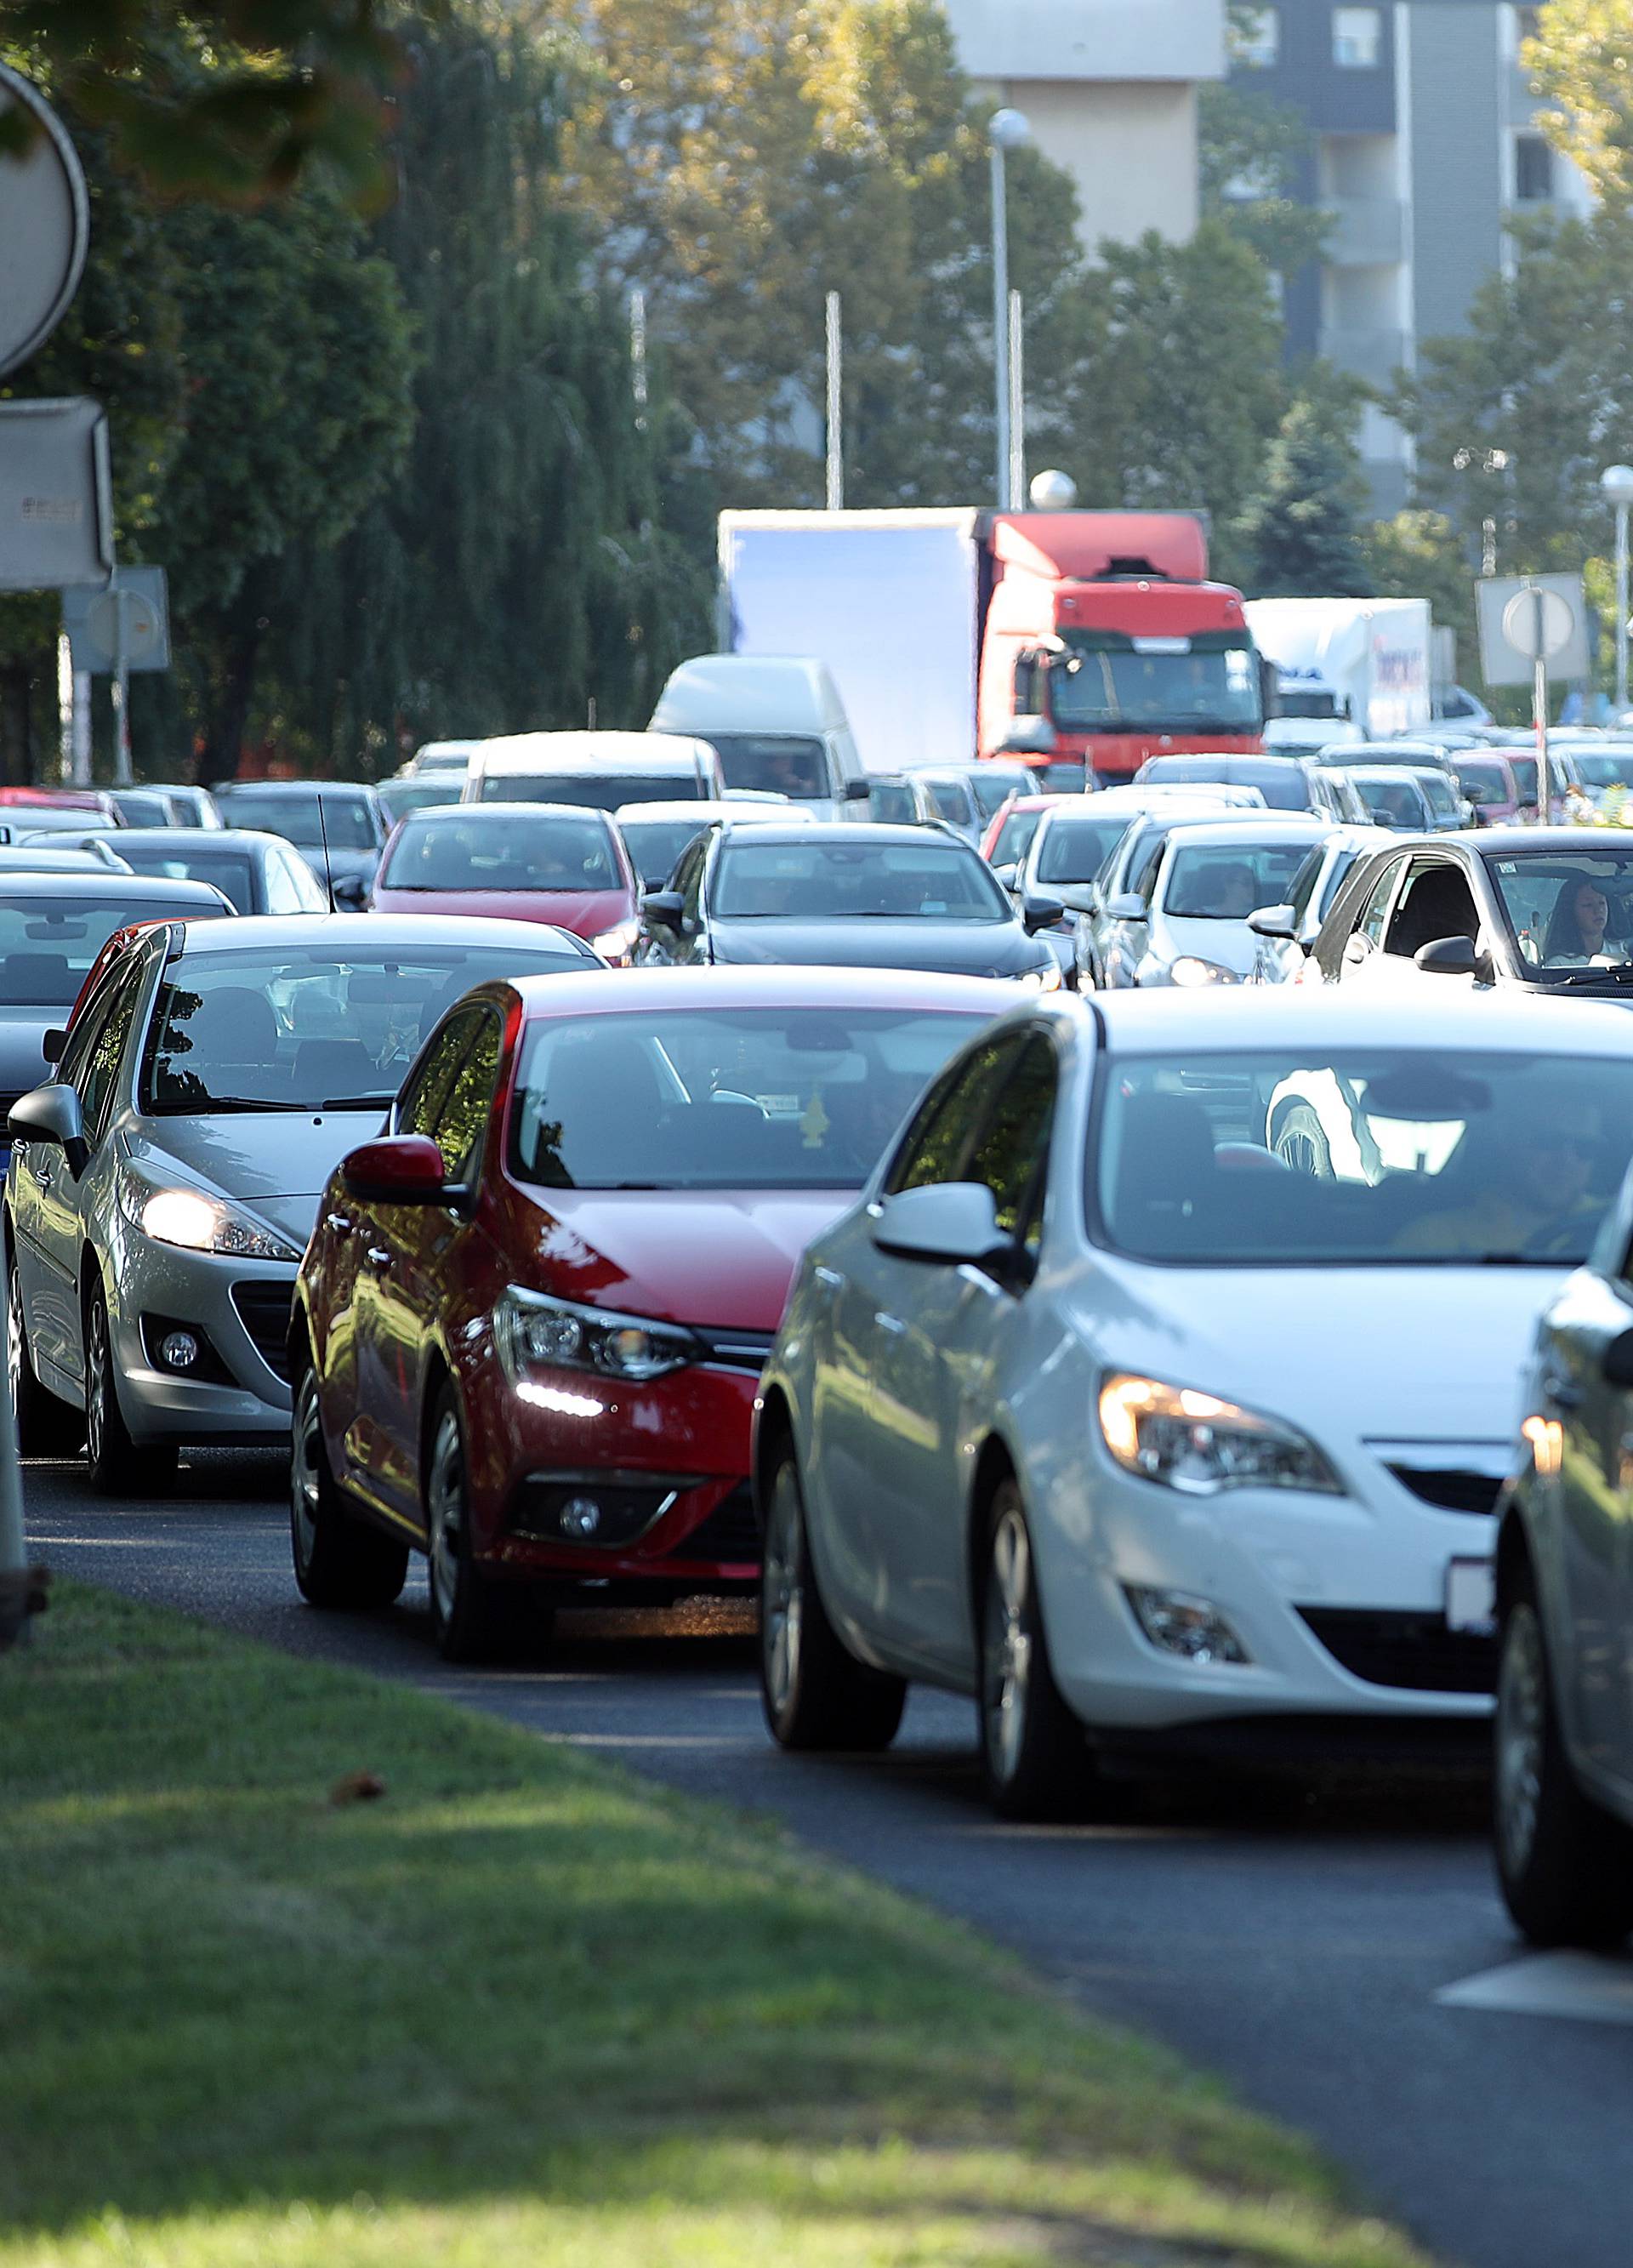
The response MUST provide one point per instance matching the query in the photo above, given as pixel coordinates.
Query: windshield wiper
(356, 1101)
(206, 1103)
(1617, 972)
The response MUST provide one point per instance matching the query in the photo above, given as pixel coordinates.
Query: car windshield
(952, 800)
(1481, 781)
(472, 850)
(347, 820)
(1567, 910)
(1439, 794)
(276, 1028)
(1375, 1158)
(47, 944)
(399, 798)
(1208, 883)
(991, 790)
(1014, 838)
(1605, 771)
(785, 764)
(1074, 850)
(230, 871)
(1525, 771)
(1110, 679)
(892, 800)
(839, 881)
(595, 791)
(655, 846)
(737, 1099)
(1394, 803)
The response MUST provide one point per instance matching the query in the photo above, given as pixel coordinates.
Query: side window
(1027, 686)
(98, 1082)
(1013, 1147)
(1371, 924)
(1436, 901)
(283, 895)
(689, 882)
(1143, 878)
(427, 1086)
(88, 1030)
(462, 1121)
(310, 893)
(936, 1144)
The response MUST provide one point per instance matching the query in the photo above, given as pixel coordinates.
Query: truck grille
(1417, 1653)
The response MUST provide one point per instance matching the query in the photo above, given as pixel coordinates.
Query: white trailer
(1372, 656)
(887, 601)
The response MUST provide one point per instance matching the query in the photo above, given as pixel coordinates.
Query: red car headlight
(533, 1332)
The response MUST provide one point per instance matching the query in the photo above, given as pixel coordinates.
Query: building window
(1533, 170)
(1358, 35)
(1255, 37)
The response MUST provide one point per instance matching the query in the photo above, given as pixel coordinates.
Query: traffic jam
(1133, 1228)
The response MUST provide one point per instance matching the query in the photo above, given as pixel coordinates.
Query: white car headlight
(1195, 1443)
(533, 1332)
(198, 1223)
(1189, 971)
(616, 945)
(1042, 980)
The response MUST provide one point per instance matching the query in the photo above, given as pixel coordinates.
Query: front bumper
(238, 1391)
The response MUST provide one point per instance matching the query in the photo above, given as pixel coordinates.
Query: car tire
(1033, 1750)
(475, 1616)
(817, 1695)
(341, 1561)
(1564, 1864)
(118, 1465)
(45, 1427)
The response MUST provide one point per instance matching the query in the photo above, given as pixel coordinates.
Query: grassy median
(523, 2008)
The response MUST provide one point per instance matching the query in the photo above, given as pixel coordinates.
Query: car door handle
(828, 1277)
(378, 1256)
(338, 1224)
(1561, 1392)
(894, 1324)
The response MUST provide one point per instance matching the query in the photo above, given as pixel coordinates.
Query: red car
(546, 862)
(1009, 832)
(528, 1330)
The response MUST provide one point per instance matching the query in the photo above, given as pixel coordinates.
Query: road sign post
(1540, 623)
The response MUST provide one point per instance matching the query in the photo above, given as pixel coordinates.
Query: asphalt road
(1294, 1940)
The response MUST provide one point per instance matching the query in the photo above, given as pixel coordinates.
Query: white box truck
(1346, 668)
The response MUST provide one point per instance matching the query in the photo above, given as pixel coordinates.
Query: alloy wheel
(1006, 1656)
(1521, 1732)
(445, 1496)
(14, 1329)
(306, 1473)
(96, 1384)
(784, 1604)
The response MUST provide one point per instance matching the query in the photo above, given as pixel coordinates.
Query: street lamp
(1616, 485)
(1006, 130)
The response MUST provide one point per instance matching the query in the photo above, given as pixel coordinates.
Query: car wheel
(1301, 1143)
(817, 1694)
(475, 1617)
(1564, 1864)
(119, 1466)
(45, 1427)
(339, 1559)
(1032, 1747)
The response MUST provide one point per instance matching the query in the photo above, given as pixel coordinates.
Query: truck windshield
(1105, 685)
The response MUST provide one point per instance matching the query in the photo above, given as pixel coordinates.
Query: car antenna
(329, 863)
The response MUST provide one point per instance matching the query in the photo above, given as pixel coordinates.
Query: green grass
(526, 2009)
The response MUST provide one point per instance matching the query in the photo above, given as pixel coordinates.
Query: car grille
(737, 1349)
(264, 1311)
(731, 1534)
(1449, 1488)
(1416, 1651)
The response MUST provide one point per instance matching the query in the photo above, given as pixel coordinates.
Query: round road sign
(1538, 623)
(45, 226)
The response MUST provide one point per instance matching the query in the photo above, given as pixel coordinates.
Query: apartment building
(1110, 89)
(1425, 143)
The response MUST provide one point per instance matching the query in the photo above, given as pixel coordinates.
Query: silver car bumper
(239, 1312)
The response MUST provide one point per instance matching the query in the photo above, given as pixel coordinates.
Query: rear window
(347, 821)
(820, 880)
(230, 872)
(470, 850)
(784, 764)
(47, 944)
(1075, 850)
(594, 790)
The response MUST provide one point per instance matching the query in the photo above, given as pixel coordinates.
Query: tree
(1302, 530)
(1578, 59)
(1419, 555)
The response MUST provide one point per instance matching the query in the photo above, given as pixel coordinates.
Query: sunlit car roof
(363, 936)
(1326, 1017)
(795, 986)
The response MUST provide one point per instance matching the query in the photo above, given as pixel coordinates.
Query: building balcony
(1366, 232)
(1374, 356)
(1095, 40)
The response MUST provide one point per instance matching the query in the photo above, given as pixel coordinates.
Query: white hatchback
(1113, 1403)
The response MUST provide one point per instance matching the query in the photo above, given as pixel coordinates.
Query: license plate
(1471, 1597)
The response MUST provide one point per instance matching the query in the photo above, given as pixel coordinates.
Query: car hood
(1385, 1355)
(720, 1259)
(949, 948)
(586, 913)
(277, 1165)
(1228, 944)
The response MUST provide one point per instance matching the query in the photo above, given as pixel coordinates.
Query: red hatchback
(528, 1331)
(545, 862)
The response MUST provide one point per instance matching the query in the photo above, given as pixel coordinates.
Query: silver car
(164, 1185)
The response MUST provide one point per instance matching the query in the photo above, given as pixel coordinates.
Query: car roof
(878, 830)
(373, 932)
(442, 815)
(197, 839)
(1602, 841)
(360, 789)
(1388, 773)
(108, 882)
(592, 751)
(704, 808)
(1326, 1017)
(1283, 827)
(798, 986)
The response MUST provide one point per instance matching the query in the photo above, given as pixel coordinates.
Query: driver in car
(1536, 1197)
(1577, 927)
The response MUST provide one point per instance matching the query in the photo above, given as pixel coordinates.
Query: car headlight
(198, 1223)
(535, 1332)
(1199, 1445)
(617, 943)
(1188, 970)
(1042, 980)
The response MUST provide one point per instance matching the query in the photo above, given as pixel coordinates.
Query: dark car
(1288, 782)
(337, 826)
(862, 896)
(423, 792)
(148, 806)
(261, 874)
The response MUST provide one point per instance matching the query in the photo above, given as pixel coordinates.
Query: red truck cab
(1104, 642)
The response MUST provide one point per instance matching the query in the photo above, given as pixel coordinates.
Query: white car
(1095, 1408)
(1209, 881)
(1286, 932)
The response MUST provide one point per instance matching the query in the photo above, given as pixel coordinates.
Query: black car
(858, 897)
(261, 874)
(337, 826)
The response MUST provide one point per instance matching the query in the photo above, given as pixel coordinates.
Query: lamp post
(1006, 130)
(1616, 485)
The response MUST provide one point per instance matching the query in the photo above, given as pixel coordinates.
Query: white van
(779, 723)
(598, 769)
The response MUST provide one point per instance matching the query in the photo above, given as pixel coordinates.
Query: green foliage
(1419, 555)
(1578, 61)
(1251, 153)
(1302, 530)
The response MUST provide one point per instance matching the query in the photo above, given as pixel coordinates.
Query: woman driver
(1576, 928)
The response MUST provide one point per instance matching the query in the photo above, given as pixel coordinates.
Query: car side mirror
(857, 790)
(1616, 1362)
(1128, 905)
(399, 1169)
(1453, 956)
(952, 1223)
(351, 891)
(52, 1114)
(1040, 912)
(665, 907)
(52, 1045)
(1006, 876)
(1276, 922)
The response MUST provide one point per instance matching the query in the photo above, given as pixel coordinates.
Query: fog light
(580, 1515)
(1180, 1622)
(178, 1351)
